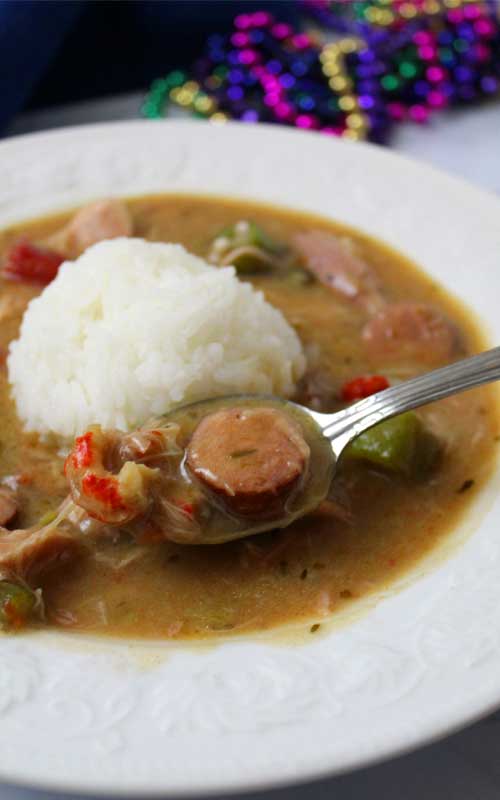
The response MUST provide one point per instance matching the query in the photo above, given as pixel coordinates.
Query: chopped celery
(401, 445)
(17, 604)
(246, 246)
(47, 518)
(248, 233)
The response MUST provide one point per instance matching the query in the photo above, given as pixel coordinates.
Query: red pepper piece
(187, 508)
(28, 262)
(363, 386)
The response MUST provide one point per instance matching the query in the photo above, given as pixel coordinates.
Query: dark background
(60, 51)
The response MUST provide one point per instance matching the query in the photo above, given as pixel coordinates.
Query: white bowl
(86, 715)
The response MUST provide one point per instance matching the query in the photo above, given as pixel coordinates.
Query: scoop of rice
(132, 328)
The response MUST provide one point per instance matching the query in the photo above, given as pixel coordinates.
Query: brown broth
(319, 564)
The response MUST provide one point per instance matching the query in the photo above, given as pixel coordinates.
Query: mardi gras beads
(262, 71)
(395, 60)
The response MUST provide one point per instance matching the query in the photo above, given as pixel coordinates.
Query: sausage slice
(411, 331)
(251, 458)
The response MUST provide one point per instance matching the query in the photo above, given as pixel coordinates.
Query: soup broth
(378, 526)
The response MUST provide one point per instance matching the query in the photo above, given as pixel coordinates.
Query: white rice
(132, 328)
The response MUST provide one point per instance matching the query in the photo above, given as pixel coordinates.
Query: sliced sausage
(8, 505)
(104, 219)
(252, 459)
(333, 260)
(411, 331)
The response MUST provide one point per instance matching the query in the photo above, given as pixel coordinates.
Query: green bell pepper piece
(17, 604)
(401, 445)
(252, 236)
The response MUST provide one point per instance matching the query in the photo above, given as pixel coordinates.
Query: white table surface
(465, 766)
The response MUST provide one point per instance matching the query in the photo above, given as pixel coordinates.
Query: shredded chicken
(25, 553)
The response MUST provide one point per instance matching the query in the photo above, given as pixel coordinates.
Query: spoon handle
(458, 377)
